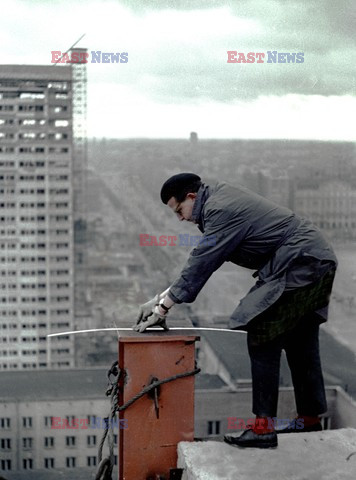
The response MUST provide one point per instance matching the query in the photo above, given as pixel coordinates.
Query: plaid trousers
(290, 308)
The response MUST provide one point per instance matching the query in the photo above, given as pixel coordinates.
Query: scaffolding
(80, 172)
(79, 79)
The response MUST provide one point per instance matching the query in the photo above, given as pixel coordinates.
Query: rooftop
(36, 72)
(53, 384)
(232, 352)
(89, 383)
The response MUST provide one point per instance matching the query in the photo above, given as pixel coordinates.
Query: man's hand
(146, 309)
(157, 319)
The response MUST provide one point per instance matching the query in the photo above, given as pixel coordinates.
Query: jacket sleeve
(224, 231)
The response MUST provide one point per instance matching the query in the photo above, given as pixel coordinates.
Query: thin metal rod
(208, 329)
(74, 44)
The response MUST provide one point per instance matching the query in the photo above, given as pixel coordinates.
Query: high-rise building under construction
(37, 153)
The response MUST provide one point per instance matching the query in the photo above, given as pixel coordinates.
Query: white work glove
(146, 309)
(156, 319)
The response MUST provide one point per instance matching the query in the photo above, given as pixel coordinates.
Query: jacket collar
(202, 196)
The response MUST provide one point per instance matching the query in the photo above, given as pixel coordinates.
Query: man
(295, 267)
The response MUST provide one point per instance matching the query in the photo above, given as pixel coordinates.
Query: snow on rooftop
(327, 455)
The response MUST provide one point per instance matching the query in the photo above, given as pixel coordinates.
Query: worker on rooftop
(295, 268)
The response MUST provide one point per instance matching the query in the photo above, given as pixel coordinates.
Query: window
(61, 123)
(91, 420)
(214, 427)
(70, 462)
(49, 441)
(5, 422)
(27, 443)
(91, 461)
(91, 440)
(26, 421)
(5, 464)
(70, 441)
(70, 420)
(27, 463)
(48, 422)
(32, 95)
(5, 444)
(49, 462)
(325, 421)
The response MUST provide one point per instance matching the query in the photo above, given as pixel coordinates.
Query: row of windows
(33, 246)
(5, 353)
(39, 218)
(42, 191)
(34, 340)
(13, 313)
(33, 366)
(335, 225)
(34, 205)
(42, 150)
(33, 122)
(49, 442)
(30, 95)
(34, 299)
(56, 351)
(33, 84)
(26, 326)
(33, 136)
(7, 191)
(52, 178)
(53, 122)
(71, 462)
(48, 421)
(29, 273)
(33, 108)
(33, 286)
(33, 259)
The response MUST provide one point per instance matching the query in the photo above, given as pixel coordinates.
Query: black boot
(251, 439)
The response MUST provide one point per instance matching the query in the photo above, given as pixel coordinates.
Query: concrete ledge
(328, 455)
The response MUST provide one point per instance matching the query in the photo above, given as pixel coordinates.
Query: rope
(106, 465)
(154, 385)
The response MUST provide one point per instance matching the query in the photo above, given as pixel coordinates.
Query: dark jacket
(245, 228)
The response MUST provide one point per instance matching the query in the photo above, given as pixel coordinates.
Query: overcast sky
(177, 78)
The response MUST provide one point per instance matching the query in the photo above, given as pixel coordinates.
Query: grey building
(36, 222)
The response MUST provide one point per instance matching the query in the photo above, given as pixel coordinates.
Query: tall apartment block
(36, 216)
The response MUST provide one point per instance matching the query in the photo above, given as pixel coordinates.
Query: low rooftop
(89, 383)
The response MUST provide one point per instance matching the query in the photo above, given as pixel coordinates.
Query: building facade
(58, 427)
(36, 222)
(331, 206)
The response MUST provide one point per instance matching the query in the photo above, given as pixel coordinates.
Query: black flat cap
(177, 184)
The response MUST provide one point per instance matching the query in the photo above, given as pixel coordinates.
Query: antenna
(70, 48)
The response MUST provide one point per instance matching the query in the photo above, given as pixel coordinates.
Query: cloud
(178, 52)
